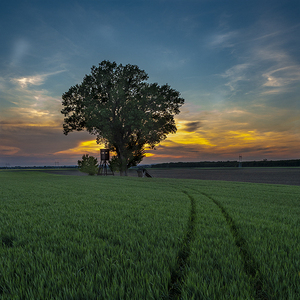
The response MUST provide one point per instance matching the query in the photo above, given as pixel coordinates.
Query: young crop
(79, 237)
(215, 269)
(74, 237)
(264, 221)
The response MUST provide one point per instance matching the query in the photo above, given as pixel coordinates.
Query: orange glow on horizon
(246, 135)
(167, 156)
(84, 147)
(8, 150)
(218, 141)
(149, 154)
(187, 139)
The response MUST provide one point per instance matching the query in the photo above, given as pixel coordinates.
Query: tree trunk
(123, 173)
(123, 165)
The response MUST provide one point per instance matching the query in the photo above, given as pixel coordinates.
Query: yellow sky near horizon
(202, 135)
(256, 132)
(194, 139)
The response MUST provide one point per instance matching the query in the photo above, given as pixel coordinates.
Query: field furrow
(177, 275)
(215, 268)
(250, 265)
(264, 220)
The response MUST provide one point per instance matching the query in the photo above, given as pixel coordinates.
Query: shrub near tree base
(88, 164)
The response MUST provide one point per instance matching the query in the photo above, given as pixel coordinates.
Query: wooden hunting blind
(104, 154)
(104, 162)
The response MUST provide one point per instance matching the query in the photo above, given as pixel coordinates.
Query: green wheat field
(84, 237)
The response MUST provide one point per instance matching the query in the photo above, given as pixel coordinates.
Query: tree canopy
(116, 104)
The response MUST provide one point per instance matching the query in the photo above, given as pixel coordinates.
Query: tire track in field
(250, 265)
(177, 275)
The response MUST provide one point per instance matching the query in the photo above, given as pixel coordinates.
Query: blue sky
(236, 63)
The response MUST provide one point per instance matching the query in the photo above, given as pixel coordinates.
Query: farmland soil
(290, 176)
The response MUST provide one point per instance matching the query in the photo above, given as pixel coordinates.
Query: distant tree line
(230, 164)
(40, 167)
(201, 164)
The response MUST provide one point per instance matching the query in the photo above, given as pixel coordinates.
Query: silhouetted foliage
(88, 164)
(116, 104)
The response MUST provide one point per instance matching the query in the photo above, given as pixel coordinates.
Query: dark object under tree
(116, 104)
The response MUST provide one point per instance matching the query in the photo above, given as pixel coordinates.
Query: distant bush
(88, 164)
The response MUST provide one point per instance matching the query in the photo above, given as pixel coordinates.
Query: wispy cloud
(282, 76)
(34, 80)
(235, 74)
(266, 63)
(192, 126)
(8, 150)
(35, 115)
(223, 40)
(23, 101)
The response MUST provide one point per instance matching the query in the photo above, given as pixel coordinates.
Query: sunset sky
(236, 64)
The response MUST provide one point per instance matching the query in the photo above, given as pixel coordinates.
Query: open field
(82, 237)
(290, 176)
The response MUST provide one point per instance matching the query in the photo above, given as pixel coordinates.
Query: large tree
(116, 104)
